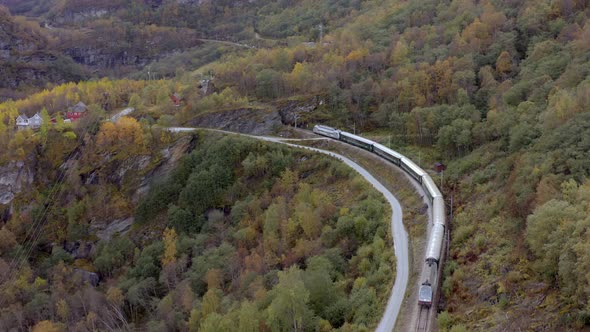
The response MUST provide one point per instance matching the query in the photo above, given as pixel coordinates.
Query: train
(435, 197)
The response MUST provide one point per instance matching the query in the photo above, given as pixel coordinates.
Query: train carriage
(435, 244)
(438, 211)
(414, 170)
(387, 153)
(326, 131)
(356, 140)
(430, 188)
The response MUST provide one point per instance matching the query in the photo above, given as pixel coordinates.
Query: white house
(35, 121)
(22, 120)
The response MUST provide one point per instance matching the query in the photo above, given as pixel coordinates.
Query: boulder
(79, 249)
(87, 277)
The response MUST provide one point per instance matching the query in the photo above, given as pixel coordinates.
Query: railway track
(394, 303)
(422, 323)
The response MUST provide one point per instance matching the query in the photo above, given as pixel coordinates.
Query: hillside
(157, 232)
(162, 238)
(35, 52)
(498, 90)
(29, 59)
(71, 36)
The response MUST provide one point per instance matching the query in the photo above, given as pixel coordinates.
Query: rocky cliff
(261, 121)
(297, 113)
(245, 120)
(14, 178)
(27, 58)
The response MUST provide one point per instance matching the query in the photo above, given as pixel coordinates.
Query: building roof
(176, 99)
(79, 107)
(439, 166)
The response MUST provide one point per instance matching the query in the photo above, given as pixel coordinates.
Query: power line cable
(33, 234)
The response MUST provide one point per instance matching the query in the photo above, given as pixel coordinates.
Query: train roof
(413, 166)
(435, 242)
(326, 127)
(438, 210)
(425, 293)
(358, 138)
(432, 188)
(388, 150)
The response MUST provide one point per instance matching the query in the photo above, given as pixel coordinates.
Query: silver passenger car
(387, 153)
(430, 188)
(414, 170)
(356, 140)
(327, 131)
(438, 211)
(435, 243)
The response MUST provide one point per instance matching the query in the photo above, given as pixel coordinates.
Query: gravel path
(122, 113)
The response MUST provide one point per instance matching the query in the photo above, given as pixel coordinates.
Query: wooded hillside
(240, 236)
(498, 90)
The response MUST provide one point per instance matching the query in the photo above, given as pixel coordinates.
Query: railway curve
(399, 234)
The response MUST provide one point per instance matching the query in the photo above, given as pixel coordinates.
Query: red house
(176, 99)
(75, 112)
(439, 167)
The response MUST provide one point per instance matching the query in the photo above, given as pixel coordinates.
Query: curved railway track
(399, 233)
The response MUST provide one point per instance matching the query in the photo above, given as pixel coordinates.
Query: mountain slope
(498, 90)
(28, 57)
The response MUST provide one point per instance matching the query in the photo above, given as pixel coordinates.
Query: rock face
(245, 120)
(81, 16)
(27, 58)
(86, 276)
(296, 112)
(95, 57)
(9, 41)
(14, 177)
(106, 232)
(106, 229)
(170, 158)
(131, 164)
(79, 249)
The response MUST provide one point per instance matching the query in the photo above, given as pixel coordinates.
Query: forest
(218, 244)
(498, 90)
